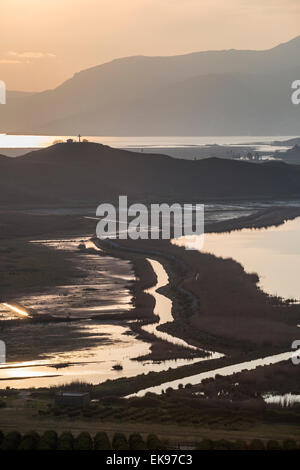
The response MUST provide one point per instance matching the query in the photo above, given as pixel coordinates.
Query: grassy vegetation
(192, 421)
(27, 267)
(20, 224)
(194, 411)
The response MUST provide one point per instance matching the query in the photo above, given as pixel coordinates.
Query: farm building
(72, 399)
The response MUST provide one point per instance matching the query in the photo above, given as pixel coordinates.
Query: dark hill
(89, 173)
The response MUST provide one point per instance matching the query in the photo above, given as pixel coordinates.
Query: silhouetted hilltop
(92, 173)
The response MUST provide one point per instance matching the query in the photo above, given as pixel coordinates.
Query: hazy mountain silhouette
(92, 173)
(203, 93)
(292, 155)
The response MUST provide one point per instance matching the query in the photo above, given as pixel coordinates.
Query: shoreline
(264, 218)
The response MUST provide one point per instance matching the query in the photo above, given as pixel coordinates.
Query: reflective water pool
(273, 253)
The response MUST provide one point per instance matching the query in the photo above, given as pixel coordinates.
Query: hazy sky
(43, 42)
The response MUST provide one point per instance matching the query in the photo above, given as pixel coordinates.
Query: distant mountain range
(90, 173)
(230, 92)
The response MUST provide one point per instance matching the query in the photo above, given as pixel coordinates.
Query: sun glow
(16, 309)
(26, 141)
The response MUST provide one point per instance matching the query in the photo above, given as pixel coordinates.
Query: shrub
(120, 442)
(273, 445)
(153, 443)
(240, 445)
(48, 441)
(136, 442)
(222, 444)
(29, 441)
(289, 444)
(256, 444)
(66, 441)
(83, 442)
(101, 441)
(11, 441)
(205, 444)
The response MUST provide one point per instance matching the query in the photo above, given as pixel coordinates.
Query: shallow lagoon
(273, 253)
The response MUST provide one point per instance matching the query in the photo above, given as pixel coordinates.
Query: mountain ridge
(135, 96)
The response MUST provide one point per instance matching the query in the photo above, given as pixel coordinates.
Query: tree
(29, 441)
(154, 443)
(256, 444)
(101, 441)
(136, 442)
(240, 445)
(120, 442)
(289, 444)
(273, 445)
(205, 444)
(222, 444)
(48, 441)
(66, 441)
(11, 441)
(83, 442)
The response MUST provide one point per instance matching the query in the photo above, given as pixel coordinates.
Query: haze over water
(41, 141)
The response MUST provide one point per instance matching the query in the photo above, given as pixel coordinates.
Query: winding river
(277, 245)
(163, 309)
(95, 364)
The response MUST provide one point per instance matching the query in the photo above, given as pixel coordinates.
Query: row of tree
(255, 444)
(66, 441)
